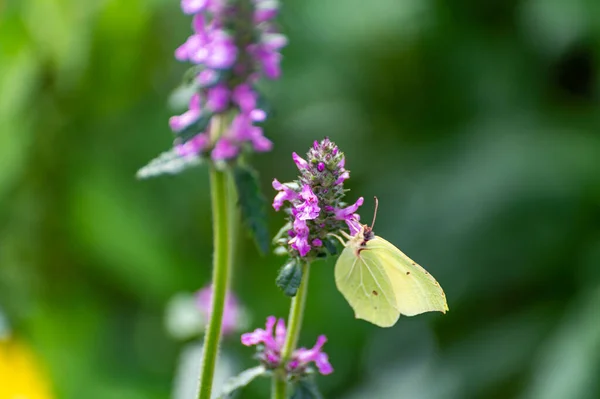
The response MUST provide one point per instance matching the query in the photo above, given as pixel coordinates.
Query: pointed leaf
(289, 278)
(194, 129)
(169, 162)
(241, 380)
(252, 205)
(330, 246)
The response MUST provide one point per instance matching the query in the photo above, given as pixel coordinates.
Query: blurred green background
(475, 123)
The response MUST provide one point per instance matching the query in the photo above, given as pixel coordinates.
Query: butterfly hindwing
(415, 290)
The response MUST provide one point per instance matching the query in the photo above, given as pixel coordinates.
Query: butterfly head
(366, 232)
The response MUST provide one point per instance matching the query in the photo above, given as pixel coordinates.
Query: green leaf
(289, 278)
(306, 388)
(169, 162)
(241, 380)
(194, 129)
(252, 205)
(330, 246)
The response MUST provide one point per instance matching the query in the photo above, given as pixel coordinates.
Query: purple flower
(266, 10)
(349, 215)
(270, 344)
(299, 161)
(309, 209)
(231, 312)
(224, 149)
(304, 207)
(229, 63)
(267, 54)
(217, 98)
(345, 175)
(197, 144)
(345, 213)
(315, 201)
(321, 360)
(193, 6)
(285, 194)
(207, 77)
(221, 51)
(245, 97)
(180, 122)
(300, 240)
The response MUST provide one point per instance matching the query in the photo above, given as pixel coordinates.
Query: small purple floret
(272, 344)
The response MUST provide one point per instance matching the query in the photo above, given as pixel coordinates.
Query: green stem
(279, 388)
(223, 198)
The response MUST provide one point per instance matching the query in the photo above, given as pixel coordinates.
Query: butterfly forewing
(416, 291)
(367, 288)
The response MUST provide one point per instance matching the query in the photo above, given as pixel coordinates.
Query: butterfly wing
(415, 290)
(367, 288)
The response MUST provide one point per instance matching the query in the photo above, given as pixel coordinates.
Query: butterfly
(380, 282)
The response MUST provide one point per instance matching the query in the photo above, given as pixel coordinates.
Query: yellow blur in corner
(21, 376)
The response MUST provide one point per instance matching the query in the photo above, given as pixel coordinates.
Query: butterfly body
(380, 282)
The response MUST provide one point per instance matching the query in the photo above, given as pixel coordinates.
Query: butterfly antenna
(375, 212)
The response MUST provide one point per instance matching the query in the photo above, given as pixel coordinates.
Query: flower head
(270, 342)
(232, 44)
(315, 201)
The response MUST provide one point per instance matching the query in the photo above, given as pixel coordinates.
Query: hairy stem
(279, 388)
(223, 209)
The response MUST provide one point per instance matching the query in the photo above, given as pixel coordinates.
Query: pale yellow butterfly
(380, 282)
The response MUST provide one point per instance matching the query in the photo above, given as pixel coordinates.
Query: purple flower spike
(315, 203)
(231, 46)
(270, 345)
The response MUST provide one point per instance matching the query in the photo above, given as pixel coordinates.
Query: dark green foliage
(289, 277)
(306, 388)
(331, 247)
(252, 205)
